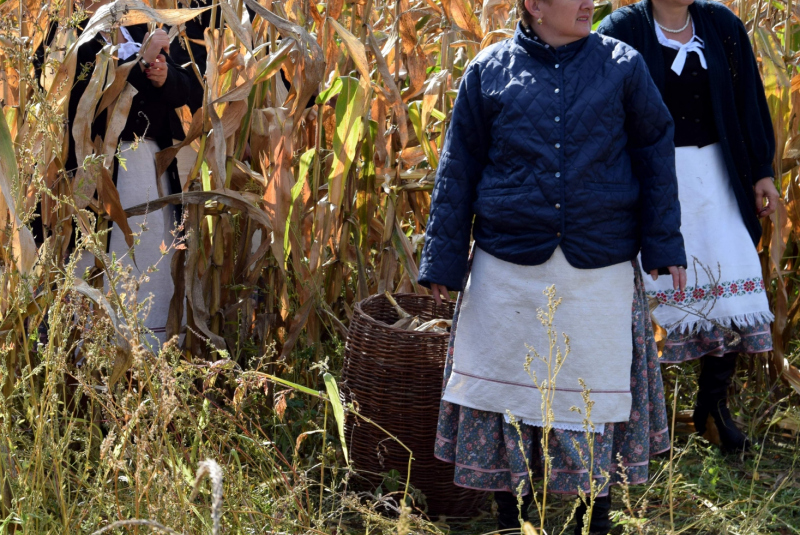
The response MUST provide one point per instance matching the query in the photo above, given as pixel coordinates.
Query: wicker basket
(395, 377)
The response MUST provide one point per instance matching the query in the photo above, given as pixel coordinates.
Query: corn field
(292, 214)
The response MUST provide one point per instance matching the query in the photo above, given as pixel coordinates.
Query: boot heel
(712, 400)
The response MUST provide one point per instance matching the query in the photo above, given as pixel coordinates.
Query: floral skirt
(682, 347)
(489, 454)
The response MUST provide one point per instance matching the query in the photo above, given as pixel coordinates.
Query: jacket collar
(540, 50)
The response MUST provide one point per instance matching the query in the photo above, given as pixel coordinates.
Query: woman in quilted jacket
(559, 162)
(724, 150)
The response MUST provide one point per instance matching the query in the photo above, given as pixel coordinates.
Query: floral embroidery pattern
(708, 292)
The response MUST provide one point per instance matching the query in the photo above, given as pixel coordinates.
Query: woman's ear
(533, 8)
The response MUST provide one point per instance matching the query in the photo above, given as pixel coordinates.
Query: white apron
(498, 320)
(724, 282)
(137, 185)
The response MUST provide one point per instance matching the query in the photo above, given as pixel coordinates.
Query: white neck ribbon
(695, 44)
(128, 48)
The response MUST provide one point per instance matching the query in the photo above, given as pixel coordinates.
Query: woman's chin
(583, 29)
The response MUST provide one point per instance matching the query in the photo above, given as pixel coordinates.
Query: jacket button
(558, 234)
(558, 145)
(558, 175)
(558, 206)
(697, 120)
(697, 96)
(694, 73)
(558, 118)
(557, 65)
(141, 103)
(557, 90)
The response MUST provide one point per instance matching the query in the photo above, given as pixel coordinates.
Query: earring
(539, 21)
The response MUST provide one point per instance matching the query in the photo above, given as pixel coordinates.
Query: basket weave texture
(395, 377)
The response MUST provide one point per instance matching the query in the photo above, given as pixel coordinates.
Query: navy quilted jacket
(567, 147)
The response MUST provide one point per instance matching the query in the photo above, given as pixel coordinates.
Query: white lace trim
(694, 324)
(563, 426)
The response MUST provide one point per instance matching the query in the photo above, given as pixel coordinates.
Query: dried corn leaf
(278, 194)
(791, 375)
(194, 289)
(313, 65)
(407, 324)
(298, 323)
(438, 325)
(393, 94)
(464, 16)
(165, 157)
(22, 245)
(236, 25)
(354, 47)
(130, 12)
(84, 184)
(218, 150)
(230, 198)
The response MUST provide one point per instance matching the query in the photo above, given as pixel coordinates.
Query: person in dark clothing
(161, 86)
(700, 58)
(559, 162)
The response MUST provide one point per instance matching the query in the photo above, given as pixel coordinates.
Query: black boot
(600, 523)
(712, 400)
(508, 512)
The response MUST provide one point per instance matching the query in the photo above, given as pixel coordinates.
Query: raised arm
(164, 79)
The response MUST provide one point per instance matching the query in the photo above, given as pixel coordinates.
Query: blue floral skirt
(489, 454)
(681, 347)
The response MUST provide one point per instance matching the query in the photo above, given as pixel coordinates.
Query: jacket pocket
(503, 191)
(507, 210)
(610, 186)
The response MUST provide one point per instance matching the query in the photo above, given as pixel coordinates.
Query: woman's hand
(158, 42)
(438, 292)
(765, 188)
(678, 277)
(158, 71)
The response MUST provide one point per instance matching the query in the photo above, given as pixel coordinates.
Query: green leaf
(351, 107)
(338, 410)
(332, 91)
(415, 115)
(290, 384)
(437, 114)
(302, 173)
(601, 11)
(205, 176)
